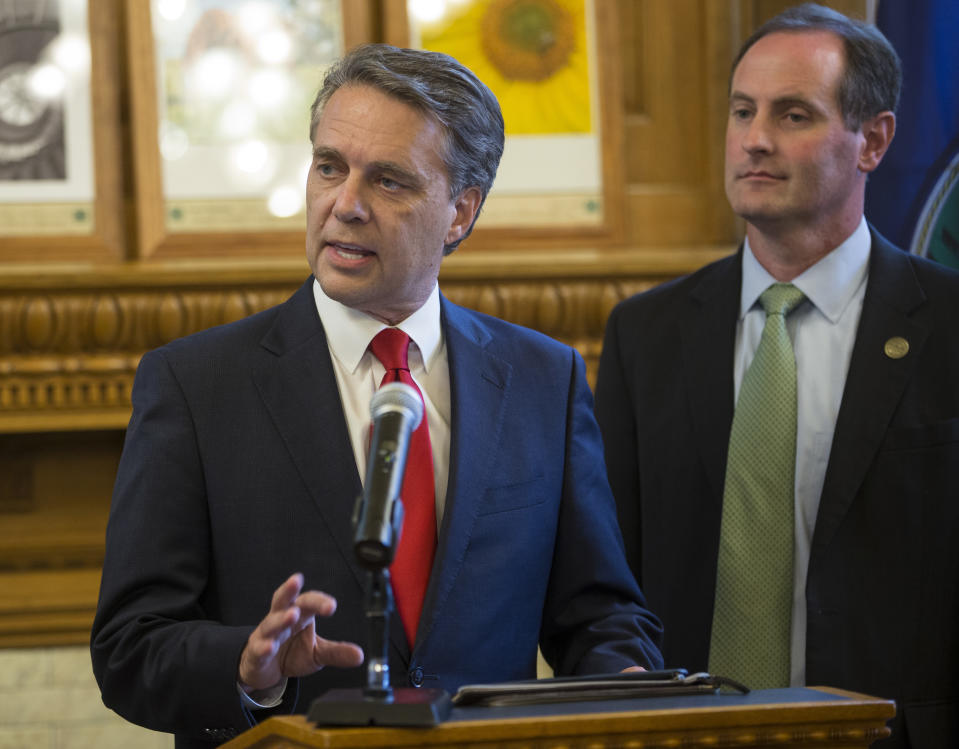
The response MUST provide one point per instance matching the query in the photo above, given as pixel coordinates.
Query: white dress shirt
(358, 375)
(823, 331)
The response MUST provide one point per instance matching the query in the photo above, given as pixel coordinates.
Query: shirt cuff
(263, 699)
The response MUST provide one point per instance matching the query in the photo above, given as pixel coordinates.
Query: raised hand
(285, 643)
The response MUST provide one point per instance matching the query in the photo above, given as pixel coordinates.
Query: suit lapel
(875, 381)
(298, 387)
(708, 333)
(479, 391)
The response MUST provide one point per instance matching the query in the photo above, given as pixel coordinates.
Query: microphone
(397, 411)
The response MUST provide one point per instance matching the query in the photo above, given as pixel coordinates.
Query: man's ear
(467, 203)
(878, 132)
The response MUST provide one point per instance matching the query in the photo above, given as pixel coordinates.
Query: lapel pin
(896, 347)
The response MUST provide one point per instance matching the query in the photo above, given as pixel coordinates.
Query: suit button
(416, 676)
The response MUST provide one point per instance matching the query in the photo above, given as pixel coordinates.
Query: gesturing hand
(285, 643)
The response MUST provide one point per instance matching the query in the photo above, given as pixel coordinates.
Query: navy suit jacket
(883, 584)
(237, 471)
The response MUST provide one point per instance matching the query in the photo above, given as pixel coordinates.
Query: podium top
(793, 716)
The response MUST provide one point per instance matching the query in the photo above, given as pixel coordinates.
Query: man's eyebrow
(781, 102)
(324, 152)
(391, 167)
(784, 102)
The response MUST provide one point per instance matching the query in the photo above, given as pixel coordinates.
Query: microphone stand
(375, 542)
(378, 703)
(379, 606)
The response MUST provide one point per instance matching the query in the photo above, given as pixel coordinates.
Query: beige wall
(49, 700)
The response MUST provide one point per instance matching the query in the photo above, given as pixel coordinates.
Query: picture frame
(528, 217)
(220, 220)
(61, 177)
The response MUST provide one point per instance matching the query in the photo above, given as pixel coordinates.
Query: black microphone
(397, 410)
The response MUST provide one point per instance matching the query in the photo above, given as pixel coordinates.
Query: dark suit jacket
(883, 585)
(237, 471)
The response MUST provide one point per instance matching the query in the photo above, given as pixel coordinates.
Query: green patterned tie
(752, 617)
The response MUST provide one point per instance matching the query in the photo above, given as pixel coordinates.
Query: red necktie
(410, 570)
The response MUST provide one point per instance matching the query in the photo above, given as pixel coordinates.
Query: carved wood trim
(70, 341)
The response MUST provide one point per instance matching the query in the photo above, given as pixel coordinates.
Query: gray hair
(872, 76)
(441, 88)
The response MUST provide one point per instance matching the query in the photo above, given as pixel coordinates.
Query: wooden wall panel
(51, 536)
(674, 58)
(666, 116)
(755, 12)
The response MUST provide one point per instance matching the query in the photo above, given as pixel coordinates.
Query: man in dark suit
(872, 482)
(247, 442)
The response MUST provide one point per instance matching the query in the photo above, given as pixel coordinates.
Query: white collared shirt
(823, 331)
(358, 375)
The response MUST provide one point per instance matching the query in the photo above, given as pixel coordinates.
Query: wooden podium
(806, 717)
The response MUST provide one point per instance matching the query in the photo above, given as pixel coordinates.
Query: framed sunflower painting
(561, 176)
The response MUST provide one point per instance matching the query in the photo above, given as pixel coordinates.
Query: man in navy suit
(230, 588)
(875, 574)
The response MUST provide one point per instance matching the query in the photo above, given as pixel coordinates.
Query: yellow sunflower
(531, 53)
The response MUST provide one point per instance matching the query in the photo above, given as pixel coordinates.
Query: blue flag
(913, 197)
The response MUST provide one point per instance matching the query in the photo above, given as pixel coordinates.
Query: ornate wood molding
(71, 338)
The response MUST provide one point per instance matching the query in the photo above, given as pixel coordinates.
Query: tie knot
(780, 299)
(391, 346)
